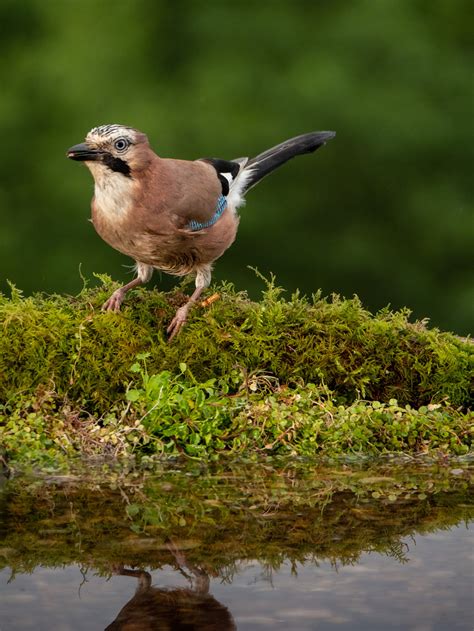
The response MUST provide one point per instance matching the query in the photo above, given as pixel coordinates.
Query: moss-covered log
(87, 354)
(311, 375)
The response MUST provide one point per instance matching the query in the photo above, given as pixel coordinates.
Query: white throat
(113, 191)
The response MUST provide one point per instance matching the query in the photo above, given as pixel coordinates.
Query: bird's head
(113, 149)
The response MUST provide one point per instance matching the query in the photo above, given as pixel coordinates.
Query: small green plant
(178, 413)
(29, 433)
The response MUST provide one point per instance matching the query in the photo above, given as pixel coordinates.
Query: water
(247, 547)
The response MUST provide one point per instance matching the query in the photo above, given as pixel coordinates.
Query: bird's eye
(121, 144)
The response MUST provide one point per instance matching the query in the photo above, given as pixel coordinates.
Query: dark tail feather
(269, 160)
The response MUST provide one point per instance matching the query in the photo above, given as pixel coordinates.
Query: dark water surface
(245, 547)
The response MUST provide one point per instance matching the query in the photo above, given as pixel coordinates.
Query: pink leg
(144, 273)
(200, 580)
(203, 278)
(181, 316)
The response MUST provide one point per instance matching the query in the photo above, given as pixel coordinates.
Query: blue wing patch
(200, 225)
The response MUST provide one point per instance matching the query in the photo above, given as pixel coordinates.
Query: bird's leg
(182, 314)
(144, 578)
(203, 279)
(115, 301)
(200, 580)
(144, 273)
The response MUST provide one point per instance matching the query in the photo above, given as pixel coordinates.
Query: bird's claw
(177, 322)
(114, 302)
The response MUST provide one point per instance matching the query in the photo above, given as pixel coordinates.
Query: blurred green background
(384, 210)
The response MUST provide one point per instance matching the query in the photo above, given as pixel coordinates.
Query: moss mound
(86, 354)
(269, 373)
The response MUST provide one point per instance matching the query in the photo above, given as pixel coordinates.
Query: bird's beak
(83, 152)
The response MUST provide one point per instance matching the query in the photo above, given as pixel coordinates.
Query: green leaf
(133, 395)
(142, 356)
(133, 509)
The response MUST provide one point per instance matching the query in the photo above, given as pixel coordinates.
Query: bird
(177, 216)
(192, 607)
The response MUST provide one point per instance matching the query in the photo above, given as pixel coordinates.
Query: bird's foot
(178, 321)
(177, 553)
(115, 301)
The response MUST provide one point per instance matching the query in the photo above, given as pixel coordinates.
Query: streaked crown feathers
(105, 134)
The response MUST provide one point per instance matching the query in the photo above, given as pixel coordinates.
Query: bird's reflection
(168, 609)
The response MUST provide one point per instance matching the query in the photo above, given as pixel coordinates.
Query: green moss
(291, 376)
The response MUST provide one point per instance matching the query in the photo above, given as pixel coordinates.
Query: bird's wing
(226, 170)
(187, 191)
(187, 194)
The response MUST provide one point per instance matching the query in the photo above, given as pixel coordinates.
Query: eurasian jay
(177, 216)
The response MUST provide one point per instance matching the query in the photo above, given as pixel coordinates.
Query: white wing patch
(235, 198)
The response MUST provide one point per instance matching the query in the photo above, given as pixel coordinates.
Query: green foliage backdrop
(384, 210)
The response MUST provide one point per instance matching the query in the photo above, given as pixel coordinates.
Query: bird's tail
(255, 169)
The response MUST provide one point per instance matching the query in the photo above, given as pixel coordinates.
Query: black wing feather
(221, 167)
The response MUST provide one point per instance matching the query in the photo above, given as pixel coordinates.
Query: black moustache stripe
(116, 164)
